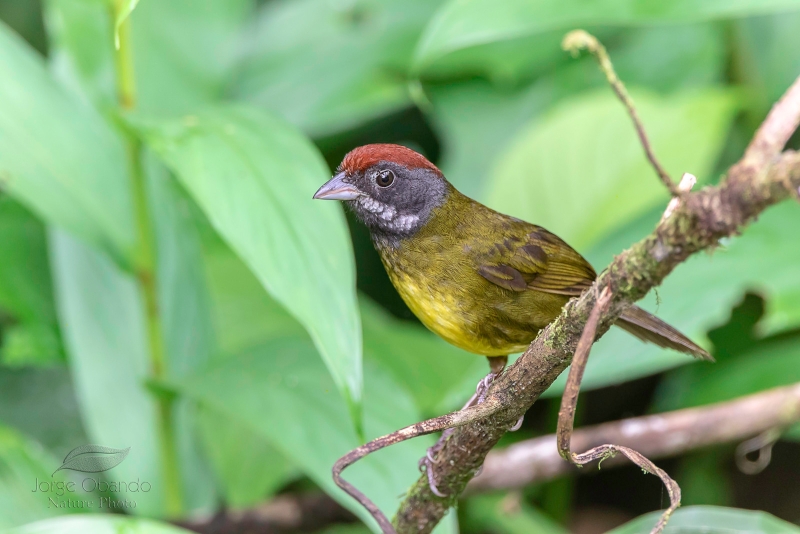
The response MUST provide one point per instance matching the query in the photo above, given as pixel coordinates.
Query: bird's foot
(518, 424)
(481, 390)
(427, 461)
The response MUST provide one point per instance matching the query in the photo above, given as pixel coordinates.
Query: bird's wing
(537, 260)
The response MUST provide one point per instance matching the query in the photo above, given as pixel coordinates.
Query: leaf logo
(93, 459)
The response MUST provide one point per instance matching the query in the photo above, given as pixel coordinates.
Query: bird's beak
(337, 189)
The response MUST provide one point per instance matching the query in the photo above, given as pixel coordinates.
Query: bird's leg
(496, 366)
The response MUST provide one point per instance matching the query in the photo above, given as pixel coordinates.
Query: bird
(484, 281)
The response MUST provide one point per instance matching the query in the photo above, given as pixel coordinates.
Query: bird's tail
(648, 327)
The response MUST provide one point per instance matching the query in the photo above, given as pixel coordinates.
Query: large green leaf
(185, 314)
(711, 520)
(581, 171)
(438, 375)
(58, 156)
(247, 466)
(770, 363)
(183, 50)
(185, 306)
(246, 317)
(430, 369)
(253, 176)
(462, 25)
(700, 293)
(477, 120)
(29, 334)
(282, 392)
(98, 524)
(769, 55)
(101, 315)
(327, 66)
(243, 312)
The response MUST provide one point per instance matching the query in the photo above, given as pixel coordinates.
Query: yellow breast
(443, 313)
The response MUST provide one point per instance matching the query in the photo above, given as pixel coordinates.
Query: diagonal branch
(760, 180)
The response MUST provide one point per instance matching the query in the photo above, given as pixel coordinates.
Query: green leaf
(669, 58)
(25, 287)
(253, 176)
(770, 363)
(438, 375)
(248, 467)
(461, 25)
(101, 315)
(478, 120)
(185, 314)
(185, 305)
(183, 50)
(102, 322)
(30, 334)
(98, 524)
(768, 53)
(700, 293)
(711, 520)
(124, 10)
(283, 393)
(430, 369)
(58, 157)
(328, 66)
(244, 314)
(585, 155)
(23, 463)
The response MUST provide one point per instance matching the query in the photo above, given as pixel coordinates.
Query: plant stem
(145, 270)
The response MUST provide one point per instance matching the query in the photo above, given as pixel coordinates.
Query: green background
(285, 344)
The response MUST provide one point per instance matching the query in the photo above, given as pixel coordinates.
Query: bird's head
(391, 188)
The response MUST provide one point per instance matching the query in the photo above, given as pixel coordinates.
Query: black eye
(384, 178)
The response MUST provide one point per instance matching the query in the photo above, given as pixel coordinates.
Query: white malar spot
(388, 213)
(406, 222)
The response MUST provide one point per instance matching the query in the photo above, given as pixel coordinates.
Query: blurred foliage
(275, 364)
(712, 520)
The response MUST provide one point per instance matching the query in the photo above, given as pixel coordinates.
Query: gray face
(390, 199)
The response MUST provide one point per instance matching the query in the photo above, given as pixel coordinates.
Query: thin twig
(569, 399)
(429, 426)
(578, 40)
(566, 416)
(655, 436)
(673, 490)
